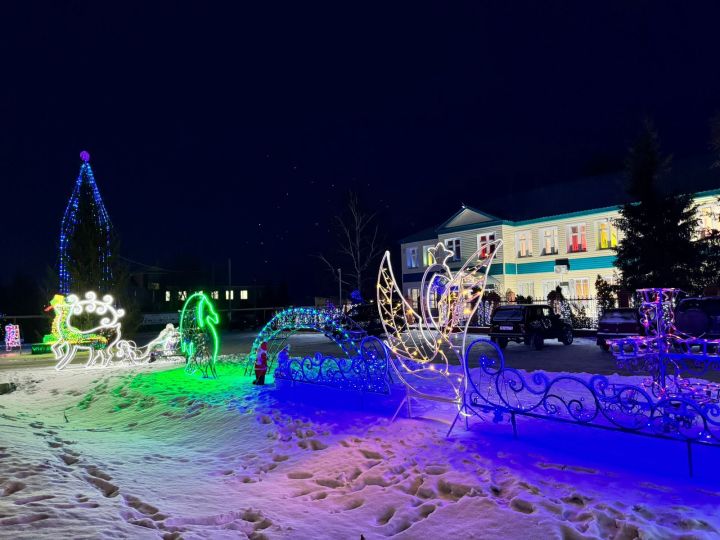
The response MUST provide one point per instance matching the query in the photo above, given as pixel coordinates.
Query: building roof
(578, 197)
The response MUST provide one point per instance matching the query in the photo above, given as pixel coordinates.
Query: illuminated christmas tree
(86, 237)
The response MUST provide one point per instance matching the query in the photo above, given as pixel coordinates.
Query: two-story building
(568, 250)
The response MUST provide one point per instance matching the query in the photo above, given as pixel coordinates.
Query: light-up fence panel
(362, 372)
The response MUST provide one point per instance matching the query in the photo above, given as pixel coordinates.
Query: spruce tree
(657, 248)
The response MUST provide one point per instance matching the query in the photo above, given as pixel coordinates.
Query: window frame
(414, 250)
(582, 237)
(527, 234)
(457, 255)
(556, 240)
(482, 254)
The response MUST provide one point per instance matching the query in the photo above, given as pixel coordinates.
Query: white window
(182, 295)
(549, 286)
(215, 295)
(167, 296)
(414, 297)
(526, 289)
(230, 294)
(607, 237)
(576, 241)
(411, 257)
(523, 244)
(485, 250)
(428, 259)
(709, 219)
(580, 288)
(549, 240)
(243, 294)
(453, 244)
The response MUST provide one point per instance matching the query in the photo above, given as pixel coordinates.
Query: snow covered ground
(152, 453)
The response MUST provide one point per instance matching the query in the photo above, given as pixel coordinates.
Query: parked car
(699, 317)
(618, 323)
(530, 324)
(368, 318)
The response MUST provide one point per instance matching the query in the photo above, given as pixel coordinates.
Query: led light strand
(70, 224)
(199, 339)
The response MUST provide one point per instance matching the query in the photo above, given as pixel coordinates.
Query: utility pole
(230, 294)
(340, 288)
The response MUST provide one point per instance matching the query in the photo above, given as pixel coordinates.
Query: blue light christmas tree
(86, 237)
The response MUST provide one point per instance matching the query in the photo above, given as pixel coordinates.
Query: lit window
(230, 295)
(215, 295)
(414, 297)
(549, 240)
(580, 288)
(182, 295)
(576, 238)
(549, 286)
(243, 294)
(411, 257)
(428, 259)
(709, 219)
(483, 240)
(167, 296)
(607, 237)
(526, 289)
(523, 244)
(453, 244)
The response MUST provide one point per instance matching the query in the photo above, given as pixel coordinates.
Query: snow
(149, 452)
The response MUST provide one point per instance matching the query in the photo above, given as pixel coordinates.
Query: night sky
(221, 132)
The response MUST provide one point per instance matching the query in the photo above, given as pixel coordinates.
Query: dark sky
(222, 131)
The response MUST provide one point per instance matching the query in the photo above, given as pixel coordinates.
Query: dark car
(529, 324)
(618, 323)
(699, 317)
(368, 318)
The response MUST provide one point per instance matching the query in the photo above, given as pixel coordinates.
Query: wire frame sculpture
(199, 339)
(421, 345)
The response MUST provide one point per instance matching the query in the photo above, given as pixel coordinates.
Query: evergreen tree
(658, 248)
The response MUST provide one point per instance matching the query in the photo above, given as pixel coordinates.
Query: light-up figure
(199, 339)
(425, 354)
(12, 337)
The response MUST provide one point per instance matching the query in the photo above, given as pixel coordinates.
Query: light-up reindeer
(99, 341)
(425, 353)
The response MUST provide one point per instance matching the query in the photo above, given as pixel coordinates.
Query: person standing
(261, 363)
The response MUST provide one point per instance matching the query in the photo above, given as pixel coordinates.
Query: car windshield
(508, 314)
(620, 315)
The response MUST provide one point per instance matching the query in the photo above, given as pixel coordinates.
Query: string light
(70, 224)
(426, 353)
(12, 337)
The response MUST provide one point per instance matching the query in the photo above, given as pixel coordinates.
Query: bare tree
(359, 244)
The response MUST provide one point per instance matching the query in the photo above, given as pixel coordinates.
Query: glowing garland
(425, 353)
(12, 337)
(69, 226)
(199, 339)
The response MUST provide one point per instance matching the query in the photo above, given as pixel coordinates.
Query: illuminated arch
(340, 329)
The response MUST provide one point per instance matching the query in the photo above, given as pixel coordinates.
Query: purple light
(85, 155)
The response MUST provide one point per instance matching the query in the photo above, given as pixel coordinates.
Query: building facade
(567, 250)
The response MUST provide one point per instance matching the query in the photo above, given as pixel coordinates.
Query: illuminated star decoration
(440, 253)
